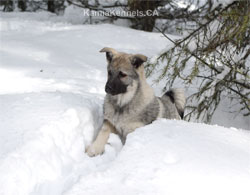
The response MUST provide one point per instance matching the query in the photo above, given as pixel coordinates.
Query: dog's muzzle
(109, 90)
(115, 88)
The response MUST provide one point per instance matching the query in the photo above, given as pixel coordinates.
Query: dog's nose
(108, 89)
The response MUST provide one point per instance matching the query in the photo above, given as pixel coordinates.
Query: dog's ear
(110, 52)
(138, 59)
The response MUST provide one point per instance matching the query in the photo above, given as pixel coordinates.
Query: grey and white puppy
(130, 102)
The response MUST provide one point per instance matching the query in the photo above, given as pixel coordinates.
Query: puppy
(130, 102)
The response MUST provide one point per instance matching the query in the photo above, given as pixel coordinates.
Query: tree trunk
(145, 23)
(51, 6)
(22, 5)
(8, 6)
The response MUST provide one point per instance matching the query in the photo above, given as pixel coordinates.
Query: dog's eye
(109, 73)
(122, 75)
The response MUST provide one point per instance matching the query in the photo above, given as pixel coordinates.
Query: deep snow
(175, 157)
(51, 92)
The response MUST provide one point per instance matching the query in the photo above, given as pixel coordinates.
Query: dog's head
(123, 70)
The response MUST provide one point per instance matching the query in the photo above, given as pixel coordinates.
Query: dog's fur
(130, 102)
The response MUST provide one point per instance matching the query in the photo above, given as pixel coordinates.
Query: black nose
(108, 89)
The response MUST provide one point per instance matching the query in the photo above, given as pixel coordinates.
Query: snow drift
(176, 157)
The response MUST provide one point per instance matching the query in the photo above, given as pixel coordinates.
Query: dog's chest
(120, 118)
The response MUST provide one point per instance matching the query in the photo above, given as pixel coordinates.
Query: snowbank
(51, 93)
(176, 157)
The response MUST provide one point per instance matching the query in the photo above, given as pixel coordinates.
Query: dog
(130, 102)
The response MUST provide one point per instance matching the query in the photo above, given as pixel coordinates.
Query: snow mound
(48, 157)
(176, 157)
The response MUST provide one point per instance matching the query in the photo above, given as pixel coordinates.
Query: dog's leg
(129, 129)
(97, 147)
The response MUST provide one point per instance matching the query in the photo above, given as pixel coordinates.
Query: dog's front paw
(94, 150)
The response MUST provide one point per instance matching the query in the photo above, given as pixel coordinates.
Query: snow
(175, 157)
(224, 3)
(52, 81)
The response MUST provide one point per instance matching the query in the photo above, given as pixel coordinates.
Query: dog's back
(173, 102)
